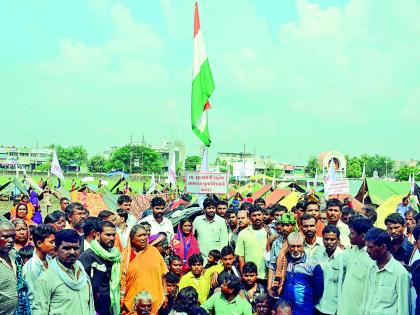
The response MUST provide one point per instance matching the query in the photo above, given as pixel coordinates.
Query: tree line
(145, 160)
(129, 158)
(384, 165)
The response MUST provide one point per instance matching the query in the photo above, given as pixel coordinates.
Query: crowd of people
(241, 258)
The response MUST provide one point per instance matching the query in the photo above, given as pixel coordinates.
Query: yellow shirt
(201, 284)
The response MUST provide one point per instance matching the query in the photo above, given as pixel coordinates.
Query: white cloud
(315, 23)
(131, 36)
(349, 67)
(411, 111)
(104, 72)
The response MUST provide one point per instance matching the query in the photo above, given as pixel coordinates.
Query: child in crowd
(228, 259)
(172, 282)
(250, 288)
(262, 305)
(198, 278)
(282, 307)
(161, 243)
(147, 226)
(212, 258)
(175, 265)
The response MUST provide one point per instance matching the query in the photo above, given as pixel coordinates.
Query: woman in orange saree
(142, 269)
(21, 211)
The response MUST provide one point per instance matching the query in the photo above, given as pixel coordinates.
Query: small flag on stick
(55, 167)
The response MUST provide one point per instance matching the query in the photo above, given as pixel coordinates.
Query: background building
(27, 158)
(339, 160)
(166, 150)
(261, 164)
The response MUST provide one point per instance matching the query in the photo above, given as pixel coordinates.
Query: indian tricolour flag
(202, 84)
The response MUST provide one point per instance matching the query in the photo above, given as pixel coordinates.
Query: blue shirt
(304, 285)
(401, 209)
(274, 252)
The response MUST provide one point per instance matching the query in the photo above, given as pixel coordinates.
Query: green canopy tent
(260, 178)
(4, 186)
(387, 207)
(354, 186)
(13, 185)
(61, 192)
(379, 190)
(110, 199)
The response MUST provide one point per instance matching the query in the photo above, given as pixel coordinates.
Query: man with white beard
(301, 281)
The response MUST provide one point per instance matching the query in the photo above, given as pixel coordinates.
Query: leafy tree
(72, 156)
(191, 162)
(271, 170)
(97, 164)
(44, 167)
(404, 173)
(123, 158)
(354, 169)
(312, 167)
(383, 164)
(224, 168)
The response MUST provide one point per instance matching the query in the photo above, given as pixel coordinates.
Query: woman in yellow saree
(142, 269)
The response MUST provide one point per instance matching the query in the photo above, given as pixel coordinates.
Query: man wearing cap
(285, 225)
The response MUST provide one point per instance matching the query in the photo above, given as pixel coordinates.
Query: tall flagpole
(202, 89)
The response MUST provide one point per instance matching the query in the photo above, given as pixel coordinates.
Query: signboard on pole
(206, 183)
(338, 187)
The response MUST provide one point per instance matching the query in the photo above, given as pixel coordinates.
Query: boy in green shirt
(228, 301)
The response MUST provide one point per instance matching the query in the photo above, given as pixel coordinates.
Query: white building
(27, 158)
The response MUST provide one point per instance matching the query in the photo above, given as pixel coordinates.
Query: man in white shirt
(124, 202)
(157, 221)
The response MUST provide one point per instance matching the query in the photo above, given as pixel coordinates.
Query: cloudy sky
(293, 77)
